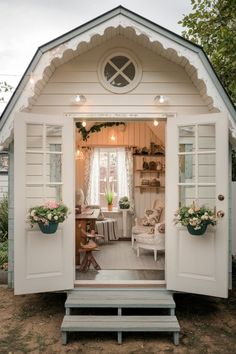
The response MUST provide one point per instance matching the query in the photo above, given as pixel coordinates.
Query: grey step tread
(120, 323)
(117, 298)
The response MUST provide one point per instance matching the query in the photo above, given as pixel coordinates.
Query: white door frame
(120, 117)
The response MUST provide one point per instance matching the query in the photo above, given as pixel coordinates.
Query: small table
(88, 259)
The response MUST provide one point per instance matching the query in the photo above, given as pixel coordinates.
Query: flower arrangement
(124, 203)
(50, 212)
(195, 218)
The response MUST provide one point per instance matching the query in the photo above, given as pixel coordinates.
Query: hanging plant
(95, 128)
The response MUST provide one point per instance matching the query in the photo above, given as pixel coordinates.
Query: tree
(212, 24)
(4, 87)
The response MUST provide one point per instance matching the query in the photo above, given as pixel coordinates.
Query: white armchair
(154, 242)
(139, 228)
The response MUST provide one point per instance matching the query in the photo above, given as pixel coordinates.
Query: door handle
(220, 214)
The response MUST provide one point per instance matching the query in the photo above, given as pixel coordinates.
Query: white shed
(120, 67)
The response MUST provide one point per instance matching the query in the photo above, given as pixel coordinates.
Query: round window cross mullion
(120, 72)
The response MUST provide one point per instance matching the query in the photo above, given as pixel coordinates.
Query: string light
(79, 154)
(113, 138)
(84, 124)
(155, 122)
(31, 80)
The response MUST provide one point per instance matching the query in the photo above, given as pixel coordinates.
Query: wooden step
(120, 324)
(117, 298)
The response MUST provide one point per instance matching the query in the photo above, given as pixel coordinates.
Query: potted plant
(195, 218)
(48, 216)
(109, 195)
(124, 203)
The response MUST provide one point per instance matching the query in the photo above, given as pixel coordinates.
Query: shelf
(148, 171)
(146, 155)
(150, 187)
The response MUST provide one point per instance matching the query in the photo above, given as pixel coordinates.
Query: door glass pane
(186, 195)
(207, 168)
(34, 137)
(187, 138)
(186, 168)
(53, 168)
(34, 168)
(54, 192)
(206, 137)
(207, 196)
(53, 138)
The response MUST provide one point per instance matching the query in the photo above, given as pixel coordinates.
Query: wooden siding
(160, 76)
(3, 185)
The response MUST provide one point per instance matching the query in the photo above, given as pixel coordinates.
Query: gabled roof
(175, 38)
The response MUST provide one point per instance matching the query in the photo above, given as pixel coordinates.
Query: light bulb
(162, 99)
(84, 124)
(155, 123)
(77, 98)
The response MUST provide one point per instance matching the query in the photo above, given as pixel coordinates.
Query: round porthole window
(120, 71)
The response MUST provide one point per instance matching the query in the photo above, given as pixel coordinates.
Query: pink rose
(51, 204)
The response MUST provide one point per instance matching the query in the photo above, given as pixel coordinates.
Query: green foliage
(3, 253)
(109, 195)
(3, 219)
(124, 203)
(212, 24)
(95, 128)
(4, 87)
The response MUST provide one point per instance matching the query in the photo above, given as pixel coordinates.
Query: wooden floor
(105, 275)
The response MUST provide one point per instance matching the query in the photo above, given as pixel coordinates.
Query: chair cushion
(139, 229)
(152, 216)
(161, 228)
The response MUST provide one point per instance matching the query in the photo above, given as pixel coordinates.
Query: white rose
(55, 217)
(32, 212)
(49, 216)
(190, 211)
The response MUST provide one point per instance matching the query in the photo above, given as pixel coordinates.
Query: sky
(27, 24)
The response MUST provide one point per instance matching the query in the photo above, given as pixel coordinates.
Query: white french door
(197, 169)
(43, 170)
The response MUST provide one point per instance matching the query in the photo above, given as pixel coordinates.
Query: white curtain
(93, 188)
(122, 178)
(130, 178)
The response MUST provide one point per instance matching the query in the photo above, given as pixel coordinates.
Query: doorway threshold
(121, 283)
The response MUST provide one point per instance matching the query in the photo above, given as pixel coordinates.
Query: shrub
(3, 254)
(4, 219)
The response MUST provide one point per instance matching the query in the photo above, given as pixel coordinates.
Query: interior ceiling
(158, 131)
(109, 33)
